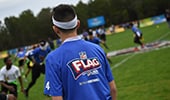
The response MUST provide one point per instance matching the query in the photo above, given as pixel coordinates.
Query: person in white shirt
(9, 74)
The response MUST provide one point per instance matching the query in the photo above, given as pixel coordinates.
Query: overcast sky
(16, 7)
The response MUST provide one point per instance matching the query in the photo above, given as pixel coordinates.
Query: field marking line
(129, 57)
(166, 34)
(123, 61)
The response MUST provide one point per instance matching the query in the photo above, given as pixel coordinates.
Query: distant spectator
(51, 43)
(112, 29)
(85, 35)
(102, 33)
(167, 15)
(59, 42)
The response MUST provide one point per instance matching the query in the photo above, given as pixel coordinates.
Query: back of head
(131, 24)
(90, 33)
(6, 59)
(64, 17)
(43, 45)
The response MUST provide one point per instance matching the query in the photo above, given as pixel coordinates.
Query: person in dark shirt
(167, 16)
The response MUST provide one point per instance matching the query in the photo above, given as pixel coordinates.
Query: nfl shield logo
(83, 55)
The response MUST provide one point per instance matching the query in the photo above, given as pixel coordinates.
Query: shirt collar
(72, 39)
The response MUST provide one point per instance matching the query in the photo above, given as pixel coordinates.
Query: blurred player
(102, 33)
(137, 35)
(85, 34)
(58, 42)
(20, 55)
(98, 41)
(37, 57)
(51, 43)
(8, 78)
(78, 69)
(28, 59)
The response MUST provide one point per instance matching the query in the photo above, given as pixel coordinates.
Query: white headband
(65, 25)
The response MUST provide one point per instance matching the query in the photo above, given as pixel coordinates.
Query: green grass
(144, 76)
(121, 40)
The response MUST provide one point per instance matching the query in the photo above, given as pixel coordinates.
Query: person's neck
(8, 67)
(68, 35)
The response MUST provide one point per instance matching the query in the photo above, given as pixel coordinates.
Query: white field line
(123, 61)
(130, 56)
(163, 36)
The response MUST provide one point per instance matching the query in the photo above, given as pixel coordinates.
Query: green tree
(29, 29)
(44, 25)
(82, 11)
(27, 26)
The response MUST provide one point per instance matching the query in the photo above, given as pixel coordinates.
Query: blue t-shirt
(39, 55)
(78, 70)
(95, 40)
(136, 30)
(21, 54)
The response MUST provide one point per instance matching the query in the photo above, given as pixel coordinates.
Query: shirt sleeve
(106, 66)
(108, 71)
(35, 51)
(53, 83)
(17, 72)
(1, 76)
(138, 34)
(109, 74)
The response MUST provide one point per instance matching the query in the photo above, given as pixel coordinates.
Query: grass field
(143, 76)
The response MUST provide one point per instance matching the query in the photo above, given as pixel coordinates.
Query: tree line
(28, 29)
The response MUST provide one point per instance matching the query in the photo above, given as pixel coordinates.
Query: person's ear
(56, 30)
(78, 23)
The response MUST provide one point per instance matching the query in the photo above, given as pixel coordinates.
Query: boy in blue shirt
(78, 69)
